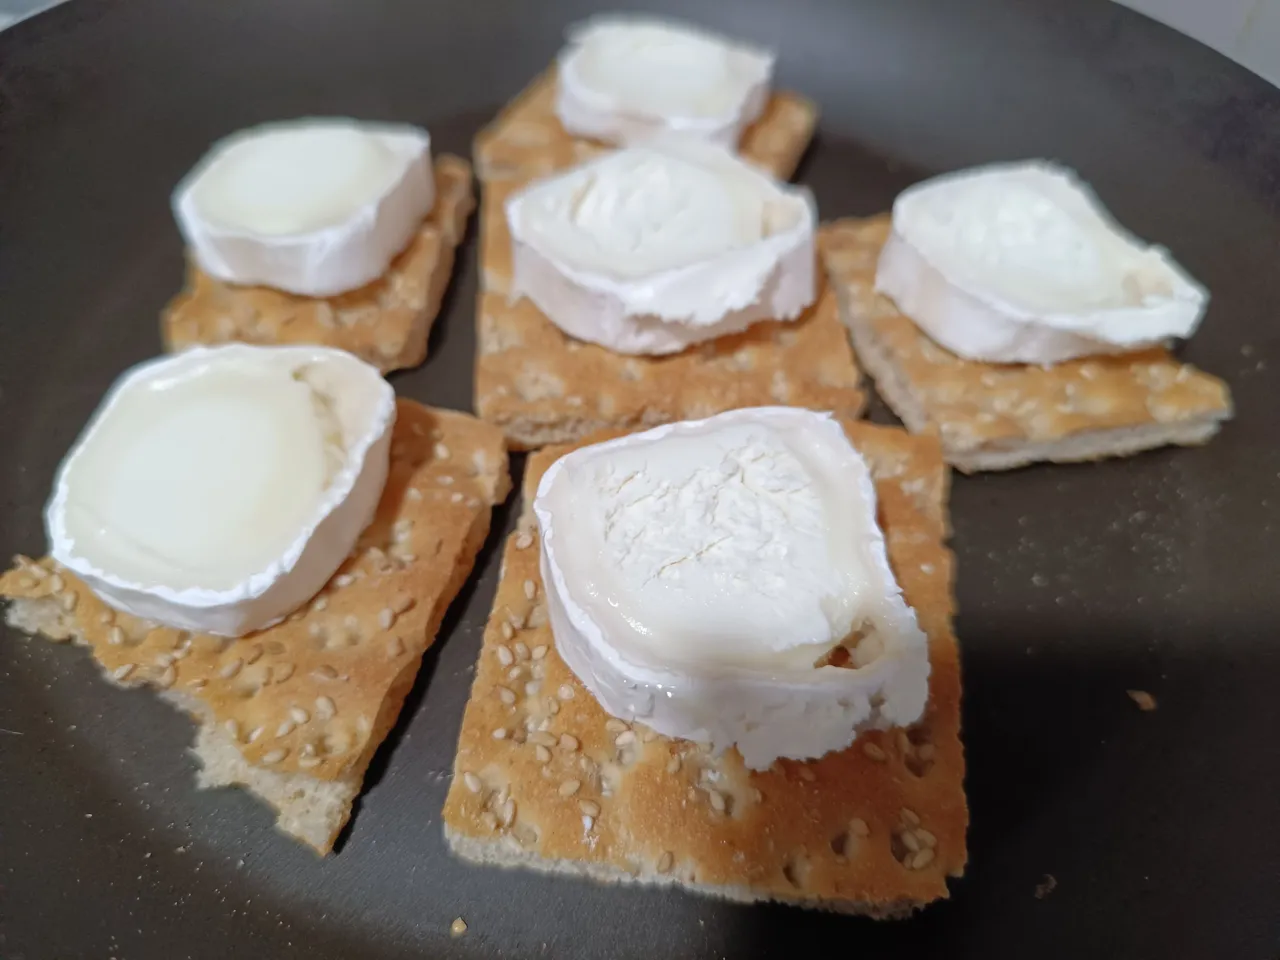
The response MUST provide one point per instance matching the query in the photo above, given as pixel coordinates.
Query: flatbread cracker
(542, 386)
(295, 712)
(526, 139)
(999, 416)
(545, 779)
(386, 323)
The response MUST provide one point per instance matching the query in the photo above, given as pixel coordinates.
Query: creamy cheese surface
(653, 248)
(702, 575)
(314, 207)
(219, 489)
(1022, 263)
(624, 79)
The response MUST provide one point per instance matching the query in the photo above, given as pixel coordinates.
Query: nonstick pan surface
(1160, 830)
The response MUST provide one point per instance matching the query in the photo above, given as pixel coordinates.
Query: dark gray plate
(1075, 583)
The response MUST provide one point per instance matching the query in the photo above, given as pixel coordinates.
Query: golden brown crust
(542, 386)
(849, 831)
(994, 416)
(527, 140)
(317, 693)
(386, 323)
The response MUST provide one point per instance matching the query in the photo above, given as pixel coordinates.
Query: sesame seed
(911, 817)
(532, 687)
(56, 583)
(614, 725)
(624, 738)
(386, 618)
(553, 706)
(648, 735)
(665, 862)
(508, 631)
(565, 692)
(316, 630)
(455, 497)
(717, 800)
(472, 781)
(588, 823)
(459, 926)
(858, 827)
(524, 541)
(402, 603)
(324, 672)
(255, 654)
(873, 751)
(321, 604)
(514, 673)
(414, 494)
(275, 756)
(673, 765)
(285, 728)
(231, 669)
(807, 775)
(166, 678)
(542, 753)
(539, 651)
(441, 451)
(926, 838)
(568, 742)
(395, 647)
(326, 709)
(926, 751)
(115, 637)
(530, 589)
(506, 696)
(255, 733)
(122, 671)
(500, 733)
(922, 859)
(69, 600)
(1145, 701)
(489, 820)
(298, 715)
(508, 812)
(198, 683)
(309, 761)
(106, 617)
(283, 671)
(570, 787)
(522, 650)
(232, 728)
(504, 654)
(904, 743)
(444, 480)
(589, 807)
(909, 841)
(343, 580)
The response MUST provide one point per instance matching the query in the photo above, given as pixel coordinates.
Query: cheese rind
(626, 79)
(1021, 263)
(219, 489)
(701, 576)
(313, 207)
(652, 249)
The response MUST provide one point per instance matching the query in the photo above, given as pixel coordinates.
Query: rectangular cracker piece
(994, 416)
(526, 139)
(386, 323)
(545, 779)
(295, 712)
(542, 386)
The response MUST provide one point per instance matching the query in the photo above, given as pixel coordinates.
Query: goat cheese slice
(724, 580)
(219, 489)
(625, 79)
(1021, 263)
(312, 207)
(651, 249)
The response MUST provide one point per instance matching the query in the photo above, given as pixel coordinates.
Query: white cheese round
(219, 489)
(312, 207)
(624, 79)
(654, 248)
(1021, 263)
(699, 577)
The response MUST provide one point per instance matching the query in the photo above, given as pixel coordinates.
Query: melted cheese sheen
(295, 179)
(219, 489)
(700, 575)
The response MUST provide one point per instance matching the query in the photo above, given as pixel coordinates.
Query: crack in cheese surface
(704, 576)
